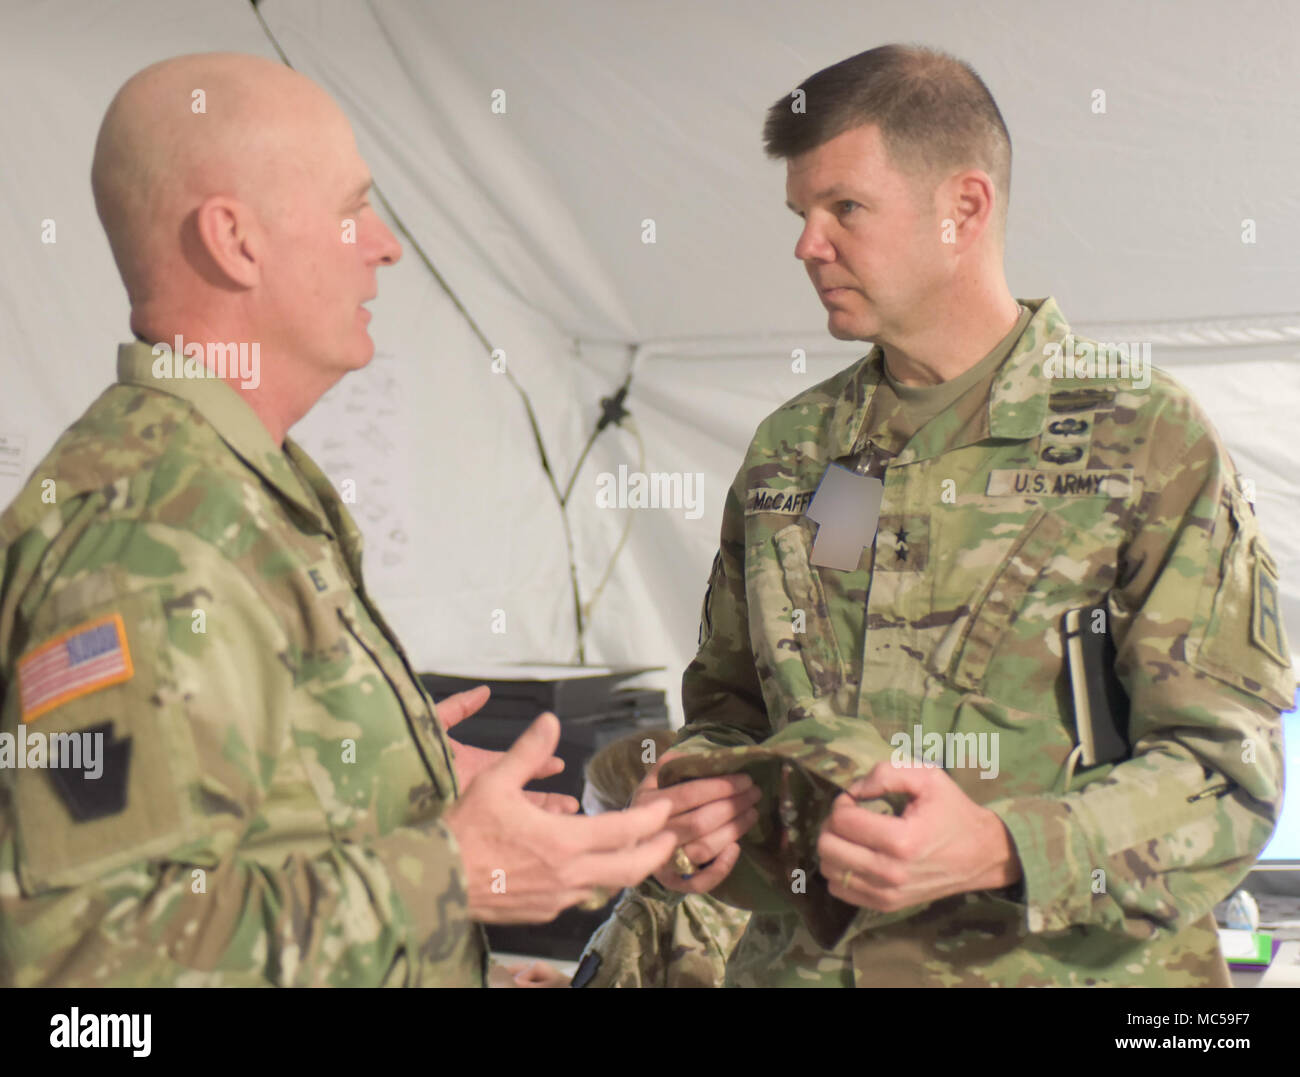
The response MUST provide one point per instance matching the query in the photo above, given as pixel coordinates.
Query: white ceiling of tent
(643, 109)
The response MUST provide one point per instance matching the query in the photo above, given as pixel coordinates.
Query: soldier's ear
(966, 202)
(223, 242)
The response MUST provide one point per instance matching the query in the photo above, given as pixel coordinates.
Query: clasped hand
(942, 844)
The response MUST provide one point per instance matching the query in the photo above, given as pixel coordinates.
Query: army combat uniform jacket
(272, 774)
(1001, 513)
(656, 938)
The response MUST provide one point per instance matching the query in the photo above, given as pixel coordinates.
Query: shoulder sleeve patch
(120, 789)
(98, 789)
(84, 659)
(1266, 630)
(1244, 642)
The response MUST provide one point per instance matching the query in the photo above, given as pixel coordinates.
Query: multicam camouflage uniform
(269, 813)
(656, 938)
(1026, 497)
(653, 937)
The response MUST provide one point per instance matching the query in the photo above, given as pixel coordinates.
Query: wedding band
(848, 879)
(682, 863)
(598, 900)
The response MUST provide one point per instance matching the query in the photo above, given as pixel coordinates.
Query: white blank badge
(846, 509)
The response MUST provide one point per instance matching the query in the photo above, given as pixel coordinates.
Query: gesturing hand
(527, 865)
(471, 761)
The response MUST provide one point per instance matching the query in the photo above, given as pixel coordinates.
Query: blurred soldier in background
(653, 937)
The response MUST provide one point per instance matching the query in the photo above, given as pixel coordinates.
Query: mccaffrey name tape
(788, 502)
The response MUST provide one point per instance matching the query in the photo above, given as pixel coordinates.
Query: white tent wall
(619, 113)
(465, 549)
(695, 415)
(62, 309)
(653, 109)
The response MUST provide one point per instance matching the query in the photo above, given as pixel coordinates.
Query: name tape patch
(84, 659)
(1026, 482)
(786, 502)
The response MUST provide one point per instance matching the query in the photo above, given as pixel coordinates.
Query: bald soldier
(272, 799)
(899, 551)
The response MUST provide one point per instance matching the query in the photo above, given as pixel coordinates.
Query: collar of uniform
(1017, 403)
(228, 414)
(853, 403)
(349, 535)
(1018, 397)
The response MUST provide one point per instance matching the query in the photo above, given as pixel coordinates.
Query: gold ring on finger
(682, 863)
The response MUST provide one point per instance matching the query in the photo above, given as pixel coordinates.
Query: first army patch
(1266, 630)
(88, 767)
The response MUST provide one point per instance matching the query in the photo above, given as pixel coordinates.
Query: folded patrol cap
(612, 775)
(800, 771)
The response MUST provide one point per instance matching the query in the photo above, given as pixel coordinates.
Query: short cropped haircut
(934, 112)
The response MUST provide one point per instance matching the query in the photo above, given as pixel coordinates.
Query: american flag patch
(80, 661)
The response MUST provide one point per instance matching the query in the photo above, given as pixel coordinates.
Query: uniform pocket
(788, 614)
(963, 655)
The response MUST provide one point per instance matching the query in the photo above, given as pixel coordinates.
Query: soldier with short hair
(898, 552)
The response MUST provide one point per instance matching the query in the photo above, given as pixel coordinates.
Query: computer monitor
(1282, 853)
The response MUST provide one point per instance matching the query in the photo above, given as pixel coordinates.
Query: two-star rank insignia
(900, 546)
